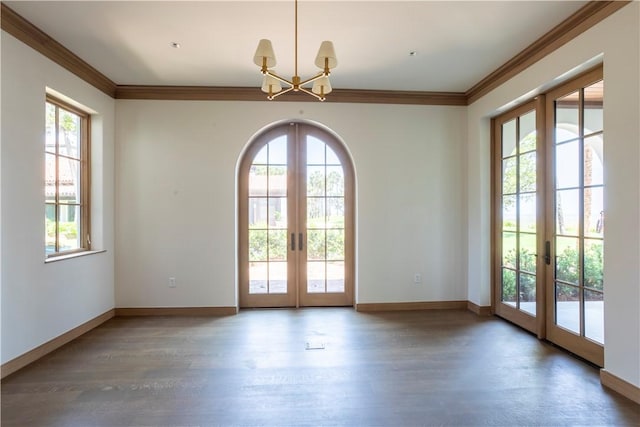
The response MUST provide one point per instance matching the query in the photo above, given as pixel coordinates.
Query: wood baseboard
(478, 309)
(31, 356)
(177, 311)
(619, 385)
(405, 306)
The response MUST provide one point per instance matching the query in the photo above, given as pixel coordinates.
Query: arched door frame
(253, 146)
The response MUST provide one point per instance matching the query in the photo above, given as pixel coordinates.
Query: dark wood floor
(253, 369)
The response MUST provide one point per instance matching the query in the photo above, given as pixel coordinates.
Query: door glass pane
(315, 212)
(593, 264)
(332, 159)
(257, 180)
(277, 245)
(278, 151)
(568, 212)
(594, 211)
(568, 307)
(315, 181)
(258, 245)
(316, 246)
(509, 177)
(528, 132)
(593, 101)
(335, 244)
(262, 157)
(335, 181)
(593, 160)
(568, 165)
(335, 276)
(567, 258)
(258, 278)
(528, 293)
(528, 252)
(277, 212)
(527, 172)
(509, 286)
(258, 212)
(528, 212)
(567, 113)
(335, 212)
(594, 316)
(315, 151)
(277, 277)
(509, 249)
(316, 277)
(277, 181)
(509, 213)
(509, 138)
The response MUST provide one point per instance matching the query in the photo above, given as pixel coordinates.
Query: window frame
(85, 180)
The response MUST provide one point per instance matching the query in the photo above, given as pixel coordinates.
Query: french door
(519, 239)
(549, 216)
(296, 210)
(575, 200)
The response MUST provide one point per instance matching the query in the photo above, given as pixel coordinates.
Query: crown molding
(208, 93)
(585, 18)
(576, 24)
(32, 36)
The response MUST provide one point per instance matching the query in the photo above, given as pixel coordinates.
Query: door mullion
(294, 221)
(541, 228)
(581, 212)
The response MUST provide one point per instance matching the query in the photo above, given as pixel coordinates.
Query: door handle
(547, 252)
(300, 241)
(293, 241)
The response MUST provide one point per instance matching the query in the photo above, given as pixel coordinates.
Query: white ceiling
(457, 42)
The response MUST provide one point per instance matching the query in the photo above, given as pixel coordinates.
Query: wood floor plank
(434, 367)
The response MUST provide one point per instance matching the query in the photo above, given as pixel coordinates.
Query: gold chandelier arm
(312, 79)
(282, 92)
(325, 55)
(277, 77)
(321, 98)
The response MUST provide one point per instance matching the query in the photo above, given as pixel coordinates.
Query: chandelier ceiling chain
(272, 83)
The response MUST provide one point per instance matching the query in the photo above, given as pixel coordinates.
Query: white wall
(176, 197)
(418, 209)
(42, 301)
(618, 39)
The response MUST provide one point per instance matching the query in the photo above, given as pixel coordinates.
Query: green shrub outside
(567, 270)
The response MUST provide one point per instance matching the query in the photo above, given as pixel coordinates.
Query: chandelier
(265, 58)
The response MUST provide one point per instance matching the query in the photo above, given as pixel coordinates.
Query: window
(66, 183)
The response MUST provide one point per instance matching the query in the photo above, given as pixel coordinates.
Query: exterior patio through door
(296, 219)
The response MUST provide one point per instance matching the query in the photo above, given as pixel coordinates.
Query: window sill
(74, 255)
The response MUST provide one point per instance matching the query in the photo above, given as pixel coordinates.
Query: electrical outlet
(417, 278)
(172, 282)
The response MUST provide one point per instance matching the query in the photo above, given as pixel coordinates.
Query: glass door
(296, 216)
(576, 213)
(518, 238)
